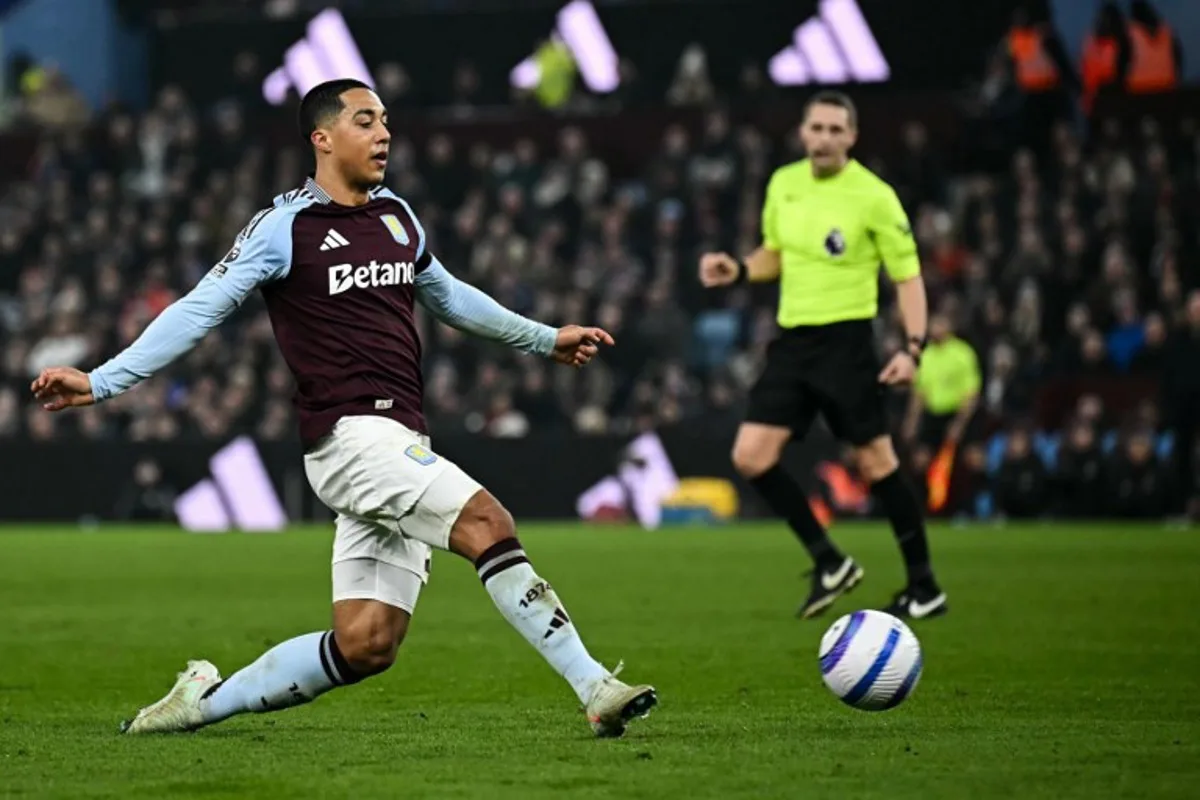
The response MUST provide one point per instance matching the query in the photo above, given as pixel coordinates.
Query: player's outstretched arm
(261, 253)
(462, 306)
(174, 332)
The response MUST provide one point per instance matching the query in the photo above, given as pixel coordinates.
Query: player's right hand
(576, 345)
(57, 388)
(718, 269)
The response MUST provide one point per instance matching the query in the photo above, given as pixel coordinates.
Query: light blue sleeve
(462, 306)
(262, 252)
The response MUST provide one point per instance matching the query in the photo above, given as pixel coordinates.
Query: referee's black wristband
(743, 272)
(916, 346)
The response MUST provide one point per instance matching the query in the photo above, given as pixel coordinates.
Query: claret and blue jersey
(339, 284)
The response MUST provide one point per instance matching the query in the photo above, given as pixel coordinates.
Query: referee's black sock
(786, 498)
(908, 523)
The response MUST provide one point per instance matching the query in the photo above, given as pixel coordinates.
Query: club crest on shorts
(395, 228)
(420, 455)
(835, 242)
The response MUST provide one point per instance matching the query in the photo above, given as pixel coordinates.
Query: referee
(828, 224)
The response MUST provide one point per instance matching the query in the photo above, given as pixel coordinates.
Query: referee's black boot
(828, 584)
(919, 601)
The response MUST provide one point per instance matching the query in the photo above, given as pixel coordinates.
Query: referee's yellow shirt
(949, 376)
(833, 234)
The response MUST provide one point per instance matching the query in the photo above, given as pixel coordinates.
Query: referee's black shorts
(830, 368)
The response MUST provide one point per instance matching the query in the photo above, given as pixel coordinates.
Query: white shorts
(394, 499)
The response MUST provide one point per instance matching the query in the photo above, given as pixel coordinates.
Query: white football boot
(613, 703)
(180, 709)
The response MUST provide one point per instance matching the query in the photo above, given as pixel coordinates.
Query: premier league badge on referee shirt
(835, 243)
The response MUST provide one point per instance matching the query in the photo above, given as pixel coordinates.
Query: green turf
(1068, 668)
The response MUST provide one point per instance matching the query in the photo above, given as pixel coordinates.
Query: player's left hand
(899, 371)
(62, 387)
(577, 346)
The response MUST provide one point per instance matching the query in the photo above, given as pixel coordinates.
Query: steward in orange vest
(1156, 57)
(1039, 60)
(1034, 70)
(1106, 54)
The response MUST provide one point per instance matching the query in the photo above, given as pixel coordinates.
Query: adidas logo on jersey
(333, 240)
(836, 46)
(344, 277)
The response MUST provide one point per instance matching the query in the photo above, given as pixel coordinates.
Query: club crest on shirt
(420, 455)
(395, 228)
(835, 243)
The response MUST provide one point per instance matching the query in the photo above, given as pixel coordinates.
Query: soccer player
(340, 263)
(828, 223)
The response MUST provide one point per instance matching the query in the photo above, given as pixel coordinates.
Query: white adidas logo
(836, 46)
(327, 52)
(333, 240)
(581, 30)
(239, 494)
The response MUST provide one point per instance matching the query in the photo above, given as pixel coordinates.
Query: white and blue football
(870, 660)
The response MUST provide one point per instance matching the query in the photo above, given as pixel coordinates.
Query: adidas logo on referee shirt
(333, 240)
(836, 46)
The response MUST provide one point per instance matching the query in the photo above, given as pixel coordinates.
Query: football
(870, 660)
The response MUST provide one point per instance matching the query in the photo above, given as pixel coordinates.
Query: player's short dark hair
(831, 97)
(323, 102)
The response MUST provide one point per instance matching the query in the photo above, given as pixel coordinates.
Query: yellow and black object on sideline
(701, 501)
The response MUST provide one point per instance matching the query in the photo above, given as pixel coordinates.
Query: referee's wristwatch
(915, 347)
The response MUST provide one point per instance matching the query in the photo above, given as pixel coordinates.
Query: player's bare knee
(369, 640)
(482, 523)
(369, 651)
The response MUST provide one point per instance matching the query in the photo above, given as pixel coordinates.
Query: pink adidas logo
(836, 46)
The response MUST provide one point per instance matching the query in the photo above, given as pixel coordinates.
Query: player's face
(359, 137)
(827, 136)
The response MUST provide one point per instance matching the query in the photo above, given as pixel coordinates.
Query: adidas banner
(260, 486)
(920, 44)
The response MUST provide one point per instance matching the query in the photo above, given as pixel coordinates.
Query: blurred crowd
(1079, 278)
(1077, 263)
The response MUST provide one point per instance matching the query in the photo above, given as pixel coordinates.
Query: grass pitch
(1069, 667)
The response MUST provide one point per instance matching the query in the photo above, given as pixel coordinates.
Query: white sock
(289, 674)
(533, 608)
